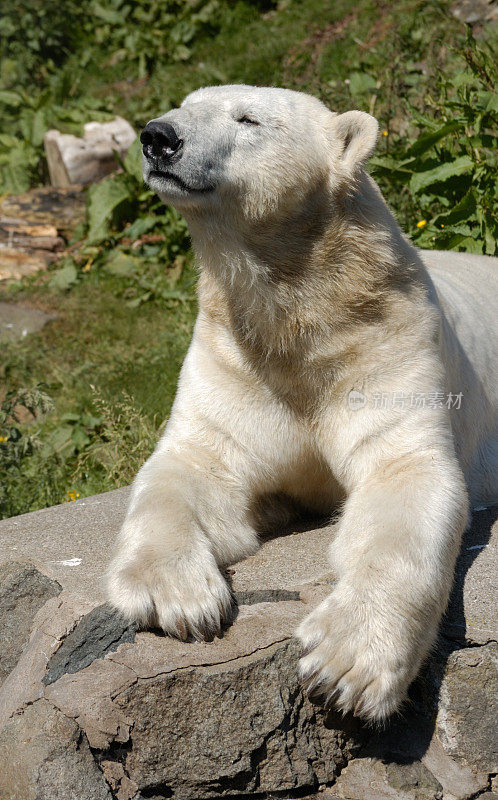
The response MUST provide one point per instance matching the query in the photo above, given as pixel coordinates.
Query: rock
(369, 779)
(23, 590)
(17, 264)
(96, 634)
(45, 756)
(73, 160)
(20, 234)
(161, 718)
(472, 616)
(475, 11)
(458, 780)
(16, 321)
(467, 716)
(254, 731)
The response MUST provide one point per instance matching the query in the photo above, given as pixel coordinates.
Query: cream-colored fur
(309, 292)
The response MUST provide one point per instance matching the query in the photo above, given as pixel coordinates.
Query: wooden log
(34, 226)
(17, 264)
(45, 207)
(72, 160)
(21, 234)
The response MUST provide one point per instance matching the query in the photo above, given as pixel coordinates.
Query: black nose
(159, 140)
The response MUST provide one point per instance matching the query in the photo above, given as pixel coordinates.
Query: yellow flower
(442, 226)
(71, 495)
(3, 438)
(385, 133)
(422, 223)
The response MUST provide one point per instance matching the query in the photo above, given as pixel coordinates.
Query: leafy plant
(45, 54)
(147, 31)
(17, 441)
(149, 254)
(447, 175)
(27, 117)
(126, 438)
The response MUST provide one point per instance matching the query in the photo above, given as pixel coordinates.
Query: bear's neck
(283, 284)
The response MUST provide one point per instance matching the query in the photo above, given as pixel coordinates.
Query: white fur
(262, 403)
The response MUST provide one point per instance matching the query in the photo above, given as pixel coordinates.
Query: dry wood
(84, 160)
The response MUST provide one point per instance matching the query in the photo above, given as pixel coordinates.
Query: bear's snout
(159, 140)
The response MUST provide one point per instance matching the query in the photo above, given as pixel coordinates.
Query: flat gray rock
(161, 718)
(17, 321)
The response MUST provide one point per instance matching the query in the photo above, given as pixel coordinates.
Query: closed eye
(247, 120)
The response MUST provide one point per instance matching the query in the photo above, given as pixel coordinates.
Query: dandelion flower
(422, 223)
(385, 133)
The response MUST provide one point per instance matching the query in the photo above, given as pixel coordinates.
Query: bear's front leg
(186, 517)
(394, 555)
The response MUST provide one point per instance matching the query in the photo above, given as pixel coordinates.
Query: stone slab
(473, 610)
(163, 718)
(72, 543)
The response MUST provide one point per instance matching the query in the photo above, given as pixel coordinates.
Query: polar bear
(332, 365)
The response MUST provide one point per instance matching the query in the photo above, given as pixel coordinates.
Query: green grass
(110, 361)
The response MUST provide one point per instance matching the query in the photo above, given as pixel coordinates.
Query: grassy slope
(100, 341)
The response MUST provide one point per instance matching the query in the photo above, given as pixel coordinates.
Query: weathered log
(18, 233)
(61, 208)
(34, 228)
(83, 160)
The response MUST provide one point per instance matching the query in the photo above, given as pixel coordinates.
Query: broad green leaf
(463, 78)
(60, 440)
(39, 127)
(137, 301)
(133, 160)
(102, 200)
(120, 264)
(463, 210)
(64, 278)
(181, 53)
(89, 421)
(447, 170)
(80, 438)
(140, 226)
(10, 99)
(107, 14)
(471, 245)
(427, 140)
(490, 241)
(14, 178)
(70, 416)
(361, 82)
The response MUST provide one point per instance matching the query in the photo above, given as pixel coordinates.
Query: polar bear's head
(252, 150)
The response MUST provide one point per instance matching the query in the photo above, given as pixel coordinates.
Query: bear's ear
(356, 134)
